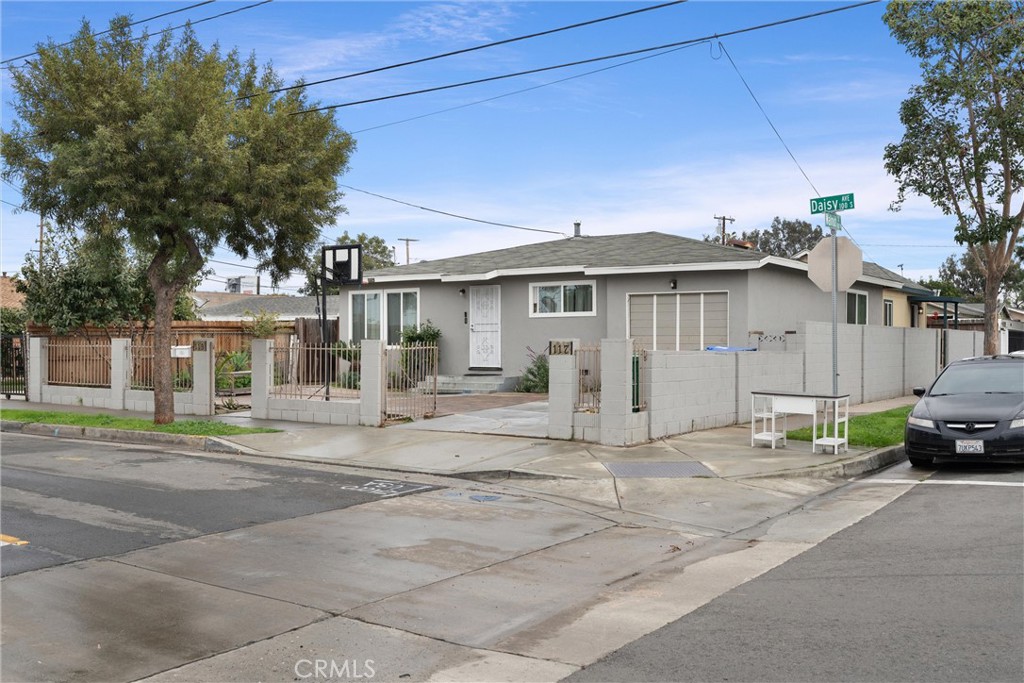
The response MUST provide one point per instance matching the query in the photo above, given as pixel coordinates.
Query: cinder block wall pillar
(616, 391)
(203, 384)
(38, 362)
(120, 379)
(262, 372)
(371, 383)
(563, 389)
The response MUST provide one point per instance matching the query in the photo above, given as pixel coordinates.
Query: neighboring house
(971, 316)
(897, 308)
(9, 297)
(666, 291)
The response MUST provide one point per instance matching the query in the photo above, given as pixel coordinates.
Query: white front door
(485, 326)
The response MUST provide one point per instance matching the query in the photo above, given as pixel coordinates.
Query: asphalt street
(929, 588)
(81, 500)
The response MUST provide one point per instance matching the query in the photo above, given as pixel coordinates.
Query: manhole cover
(658, 470)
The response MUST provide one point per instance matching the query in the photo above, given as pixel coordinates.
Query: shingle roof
(606, 251)
(286, 306)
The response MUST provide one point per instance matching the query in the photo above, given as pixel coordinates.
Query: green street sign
(833, 220)
(839, 202)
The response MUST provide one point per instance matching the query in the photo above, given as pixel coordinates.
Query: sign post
(830, 206)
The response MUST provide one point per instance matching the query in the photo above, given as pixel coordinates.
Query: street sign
(833, 220)
(849, 265)
(838, 202)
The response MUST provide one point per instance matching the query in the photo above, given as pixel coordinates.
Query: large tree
(963, 145)
(176, 149)
(784, 237)
(963, 277)
(89, 282)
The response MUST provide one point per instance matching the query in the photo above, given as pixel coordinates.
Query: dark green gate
(13, 364)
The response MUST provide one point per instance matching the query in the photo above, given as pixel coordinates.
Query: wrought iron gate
(14, 365)
(410, 384)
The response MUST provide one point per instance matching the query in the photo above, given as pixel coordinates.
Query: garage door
(684, 321)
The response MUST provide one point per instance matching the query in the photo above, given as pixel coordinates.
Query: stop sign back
(849, 264)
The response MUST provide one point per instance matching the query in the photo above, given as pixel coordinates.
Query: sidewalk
(508, 442)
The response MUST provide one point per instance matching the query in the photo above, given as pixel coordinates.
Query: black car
(973, 411)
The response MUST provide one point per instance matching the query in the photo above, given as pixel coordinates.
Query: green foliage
(535, 376)
(261, 324)
(426, 333)
(376, 255)
(237, 361)
(963, 277)
(963, 141)
(784, 238)
(173, 149)
(86, 280)
(12, 321)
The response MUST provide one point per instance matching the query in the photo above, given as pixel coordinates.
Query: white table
(768, 407)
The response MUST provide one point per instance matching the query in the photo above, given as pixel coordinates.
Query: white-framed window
(889, 308)
(856, 307)
(374, 313)
(563, 299)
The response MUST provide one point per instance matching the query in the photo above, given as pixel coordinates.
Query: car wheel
(920, 462)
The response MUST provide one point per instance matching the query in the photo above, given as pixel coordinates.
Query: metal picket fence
(411, 384)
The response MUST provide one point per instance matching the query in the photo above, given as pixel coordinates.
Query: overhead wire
(591, 60)
(100, 33)
(175, 28)
(467, 50)
(523, 90)
(453, 215)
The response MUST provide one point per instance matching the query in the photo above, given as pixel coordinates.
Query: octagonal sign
(849, 264)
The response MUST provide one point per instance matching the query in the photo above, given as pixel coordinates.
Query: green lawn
(190, 427)
(870, 431)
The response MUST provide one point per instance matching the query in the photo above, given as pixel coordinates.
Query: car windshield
(980, 378)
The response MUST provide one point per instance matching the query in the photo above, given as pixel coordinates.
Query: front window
(856, 308)
(370, 309)
(888, 312)
(562, 299)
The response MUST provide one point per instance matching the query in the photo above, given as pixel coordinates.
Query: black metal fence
(13, 365)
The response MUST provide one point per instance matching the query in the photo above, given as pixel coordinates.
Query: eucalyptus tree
(176, 149)
(963, 145)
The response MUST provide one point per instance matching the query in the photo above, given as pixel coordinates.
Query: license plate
(970, 446)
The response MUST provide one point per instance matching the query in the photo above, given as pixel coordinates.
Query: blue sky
(664, 143)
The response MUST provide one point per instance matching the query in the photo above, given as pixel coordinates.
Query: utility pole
(407, 240)
(724, 219)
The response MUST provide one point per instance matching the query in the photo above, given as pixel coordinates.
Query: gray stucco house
(666, 291)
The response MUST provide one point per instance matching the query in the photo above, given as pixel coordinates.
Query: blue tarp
(730, 348)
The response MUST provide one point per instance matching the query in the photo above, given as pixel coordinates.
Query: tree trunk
(992, 314)
(163, 381)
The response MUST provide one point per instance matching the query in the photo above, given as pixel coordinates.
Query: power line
(591, 60)
(468, 49)
(523, 90)
(189, 23)
(454, 215)
(100, 33)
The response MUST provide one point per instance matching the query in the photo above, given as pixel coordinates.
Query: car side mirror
(918, 391)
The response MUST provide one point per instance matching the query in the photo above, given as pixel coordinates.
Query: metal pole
(835, 319)
(324, 362)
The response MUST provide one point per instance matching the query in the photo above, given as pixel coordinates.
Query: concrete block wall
(689, 390)
(920, 357)
(964, 344)
(333, 412)
(119, 395)
(766, 371)
(882, 363)
(620, 426)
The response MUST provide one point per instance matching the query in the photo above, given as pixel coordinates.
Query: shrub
(535, 376)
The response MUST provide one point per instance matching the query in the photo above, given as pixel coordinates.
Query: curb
(872, 461)
(200, 443)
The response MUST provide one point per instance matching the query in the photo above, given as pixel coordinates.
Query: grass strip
(134, 424)
(871, 431)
